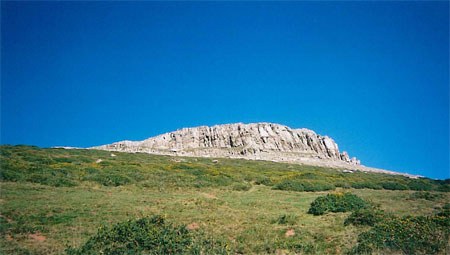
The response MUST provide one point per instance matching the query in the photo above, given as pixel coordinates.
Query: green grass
(64, 197)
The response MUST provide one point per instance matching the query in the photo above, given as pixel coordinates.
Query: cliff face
(266, 141)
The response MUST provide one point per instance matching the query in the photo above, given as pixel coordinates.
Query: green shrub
(420, 184)
(410, 235)
(344, 185)
(339, 202)
(394, 186)
(264, 180)
(10, 175)
(365, 217)
(317, 186)
(444, 188)
(444, 211)
(295, 185)
(147, 236)
(365, 185)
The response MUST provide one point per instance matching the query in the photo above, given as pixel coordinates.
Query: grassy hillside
(55, 198)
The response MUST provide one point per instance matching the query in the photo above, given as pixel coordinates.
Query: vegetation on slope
(339, 202)
(51, 199)
(66, 168)
(407, 234)
(152, 235)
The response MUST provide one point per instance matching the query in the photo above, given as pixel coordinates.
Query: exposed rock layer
(265, 141)
(258, 141)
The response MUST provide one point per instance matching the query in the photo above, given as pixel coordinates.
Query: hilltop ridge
(267, 141)
(256, 141)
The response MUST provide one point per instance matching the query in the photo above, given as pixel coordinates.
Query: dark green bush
(410, 235)
(444, 188)
(394, 186)
(264, 180)
(420, 184)
(365, 217)
(10, 175)
(444, 211)
(295, 185)
(317, 186)
(344, 185)
(365, 185)
(289, 185)
(339, 202)
(147, 236)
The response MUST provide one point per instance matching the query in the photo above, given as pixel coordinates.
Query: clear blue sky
(372, 75)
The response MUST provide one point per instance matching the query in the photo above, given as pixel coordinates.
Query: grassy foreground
(53, 198)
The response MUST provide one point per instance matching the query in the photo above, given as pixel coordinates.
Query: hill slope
(51, 198)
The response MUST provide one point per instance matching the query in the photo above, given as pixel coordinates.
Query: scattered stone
(289, 233)
(210, 196)
(113, 155)
(37, 237)
(281, 252)
(193, 226)
(99, 160)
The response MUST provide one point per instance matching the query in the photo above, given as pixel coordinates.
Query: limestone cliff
(265, 141)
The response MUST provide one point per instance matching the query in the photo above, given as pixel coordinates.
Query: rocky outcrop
(265, 141)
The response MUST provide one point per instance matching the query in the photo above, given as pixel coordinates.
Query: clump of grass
(338, 202)
(241, 186)
(286, 219)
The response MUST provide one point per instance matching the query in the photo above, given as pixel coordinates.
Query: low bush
(148, 236)
(365, 217)
(444, 211)
(366, 185)
(289, 185)
(420, 184)
(344, 185)
(317, 186)
(264, 181)
(310, 186)
(10, 175)
(444, 187)
(394, 186)
(339, 202)
(241, 186)
(409, 235)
